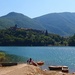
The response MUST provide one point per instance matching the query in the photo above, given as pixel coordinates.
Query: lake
(50, 55)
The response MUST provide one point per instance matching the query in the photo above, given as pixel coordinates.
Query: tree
(46, 33)
(2, 56)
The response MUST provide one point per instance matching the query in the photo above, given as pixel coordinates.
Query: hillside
(21, 20)
(30, 37)
(58, 23)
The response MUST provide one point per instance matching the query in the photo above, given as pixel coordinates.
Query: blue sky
(34, 8)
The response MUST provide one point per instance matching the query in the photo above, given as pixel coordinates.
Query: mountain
(58, 23)
(21, 20)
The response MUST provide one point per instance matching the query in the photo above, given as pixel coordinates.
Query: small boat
(59, 68)
(65, 69)
(8, 63)
(40, 63)
(34, 63)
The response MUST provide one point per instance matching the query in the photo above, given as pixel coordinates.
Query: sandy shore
(25, 69)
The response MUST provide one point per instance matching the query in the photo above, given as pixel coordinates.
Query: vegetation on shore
(5, 57)
(31, 37)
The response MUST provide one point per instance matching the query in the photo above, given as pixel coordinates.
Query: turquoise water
(50, 55)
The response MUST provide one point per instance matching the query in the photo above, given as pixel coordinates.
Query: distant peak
(14, 13)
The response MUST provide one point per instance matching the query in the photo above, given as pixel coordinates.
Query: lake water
(50, 55)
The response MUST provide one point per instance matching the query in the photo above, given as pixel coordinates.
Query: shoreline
(47, 55)
(26, 69)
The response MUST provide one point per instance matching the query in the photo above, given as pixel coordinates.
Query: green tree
(46, 33)
(2, 56)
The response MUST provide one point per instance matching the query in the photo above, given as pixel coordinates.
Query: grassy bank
(5, 57)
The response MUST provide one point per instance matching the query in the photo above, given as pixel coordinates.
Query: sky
(35, 8)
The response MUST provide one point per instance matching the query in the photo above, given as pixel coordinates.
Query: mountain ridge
(56, 23)
(21, 20)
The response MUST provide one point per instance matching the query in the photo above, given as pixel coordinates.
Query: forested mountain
(58, 23)
(21, 20)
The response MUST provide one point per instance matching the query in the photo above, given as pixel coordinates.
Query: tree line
(31, 37)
